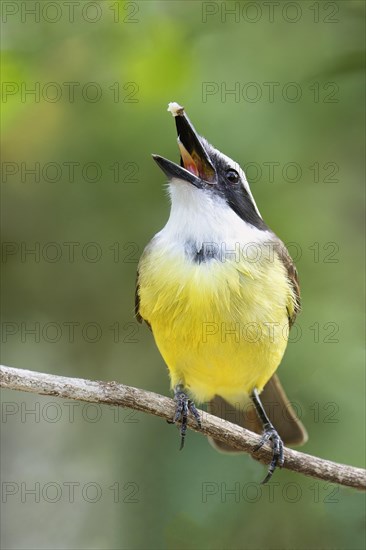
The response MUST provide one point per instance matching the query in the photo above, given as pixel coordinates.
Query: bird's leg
(269, 435)
(184, 405)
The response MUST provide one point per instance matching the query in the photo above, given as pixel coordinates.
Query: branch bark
(112, 393)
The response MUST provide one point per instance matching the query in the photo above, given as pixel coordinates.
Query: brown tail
(277, 407)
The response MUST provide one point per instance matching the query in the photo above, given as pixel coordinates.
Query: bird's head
(219, 180)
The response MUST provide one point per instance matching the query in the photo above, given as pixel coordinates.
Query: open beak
(195, 164)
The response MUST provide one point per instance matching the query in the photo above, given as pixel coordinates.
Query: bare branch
(112, 393)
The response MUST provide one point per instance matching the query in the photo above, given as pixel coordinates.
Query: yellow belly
(221, 327)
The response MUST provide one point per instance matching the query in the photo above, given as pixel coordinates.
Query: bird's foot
(184, 406)
(271, 435)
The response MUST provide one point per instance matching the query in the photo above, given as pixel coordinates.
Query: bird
(219, 291)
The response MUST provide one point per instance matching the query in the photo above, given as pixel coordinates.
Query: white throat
(199, 217)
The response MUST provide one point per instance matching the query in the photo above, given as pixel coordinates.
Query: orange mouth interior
(188, 162)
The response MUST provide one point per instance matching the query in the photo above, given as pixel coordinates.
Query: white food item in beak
(175, 109)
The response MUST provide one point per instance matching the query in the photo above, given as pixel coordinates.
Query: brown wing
(293, 278)
(137, 300)
(138, 316)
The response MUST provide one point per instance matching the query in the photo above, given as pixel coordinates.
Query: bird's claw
(271, 435)
(184, 406)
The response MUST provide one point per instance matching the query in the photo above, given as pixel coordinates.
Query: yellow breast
(220, 325)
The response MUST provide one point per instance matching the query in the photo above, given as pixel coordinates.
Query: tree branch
(112, 393)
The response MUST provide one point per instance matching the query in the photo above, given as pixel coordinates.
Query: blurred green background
(102, 75)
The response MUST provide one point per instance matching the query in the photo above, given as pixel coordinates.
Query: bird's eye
(232, 176)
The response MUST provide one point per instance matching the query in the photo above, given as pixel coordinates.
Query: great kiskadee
(219, 291)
